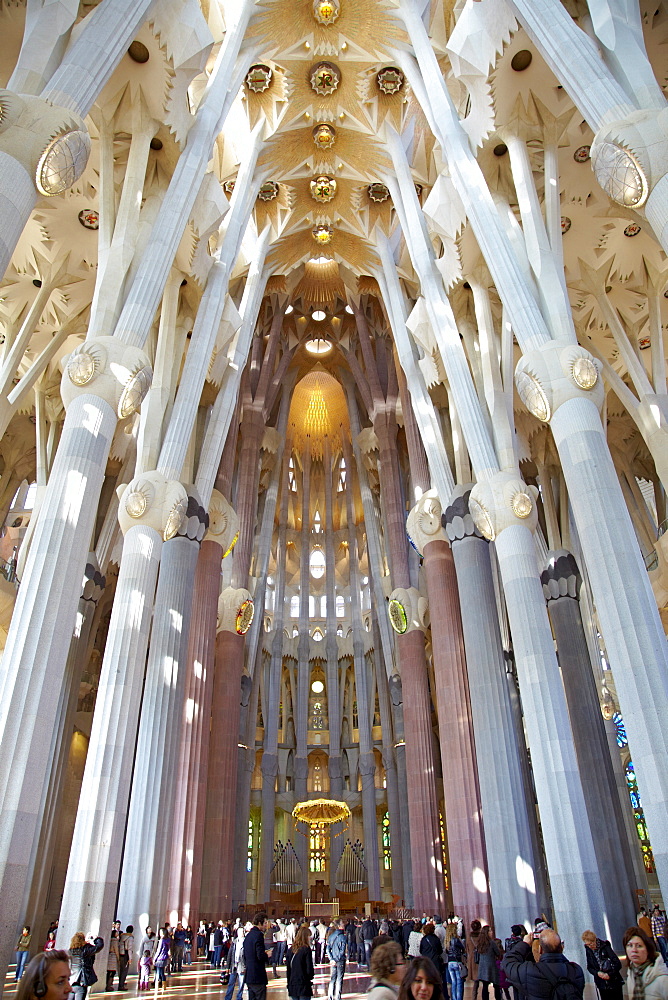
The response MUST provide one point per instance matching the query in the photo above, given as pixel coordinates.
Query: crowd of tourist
(426, 959)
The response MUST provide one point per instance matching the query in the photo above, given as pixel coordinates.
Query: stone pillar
(190, 809)
(561, 585)
(396, 699)
(303, 661)
(148, 837)
(334, 714)
(35, 655)
(503, 509)
(506, 810)
(150, 509)
(561, 383)
(55, 827)
(463, 810)
(428, 886)
(234, 618)
(390, 771)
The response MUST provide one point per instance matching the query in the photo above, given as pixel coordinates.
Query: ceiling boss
(326, 11)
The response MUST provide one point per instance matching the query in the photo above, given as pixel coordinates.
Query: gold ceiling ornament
(324, 135)
(326, 11)
(325, 78)
(321, 811)
(521, 504)
(258, 78)
(268, 191)
(323, 188)
(245, 616)
(322, 234)
(321, 284)
(390, 80)
(316, 420)
(398, 616)
(228, 186)
(378, 192)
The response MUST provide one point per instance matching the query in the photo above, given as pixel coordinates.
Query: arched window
(317, 564)
(317, 848)
(249, 861)
(294, 606)
(340, 606)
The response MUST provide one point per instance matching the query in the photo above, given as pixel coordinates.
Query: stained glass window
(445, 860)
(317, 848)
(620, 730)
(249, 862)
(387, 855)
(639, 817)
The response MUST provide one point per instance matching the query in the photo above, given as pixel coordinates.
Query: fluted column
(390, 766)
(35, 655)
(506, 810)
(428, 885)
(463, 810)
(185, 874)
(303, 662)
(91, 887)
(561, 585)
(334, 715)
(54, 824)
(503, 508)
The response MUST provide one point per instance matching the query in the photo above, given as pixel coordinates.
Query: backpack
(563, 987)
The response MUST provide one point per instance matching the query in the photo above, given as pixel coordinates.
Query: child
(145, 968)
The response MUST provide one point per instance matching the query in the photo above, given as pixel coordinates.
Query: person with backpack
(336, 953)
(552, 977)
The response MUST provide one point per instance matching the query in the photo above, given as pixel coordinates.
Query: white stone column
(504, 510)
(561, 384)
(35, 655)
(144, 879)
(150, 510)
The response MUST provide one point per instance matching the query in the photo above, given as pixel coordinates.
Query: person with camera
(552, 977)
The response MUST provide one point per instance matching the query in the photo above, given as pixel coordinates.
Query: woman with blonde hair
(82, 956)
(604, 966)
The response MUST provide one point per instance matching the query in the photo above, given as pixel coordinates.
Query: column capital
(50, 142)
(119, 374)
(367, 764)
(196, 520)
(561, 576)
(223, 523)
(500, 502)
(408, 610)
(556, 372)
(457, 519)
(424, 524)
(153, 501)
(235, 611)
(629, 156)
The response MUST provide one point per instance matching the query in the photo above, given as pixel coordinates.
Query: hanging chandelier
(315, 811)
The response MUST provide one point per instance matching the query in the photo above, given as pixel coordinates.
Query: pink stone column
(190, 801)
(217, 875)
(426, 853)
(463, 812)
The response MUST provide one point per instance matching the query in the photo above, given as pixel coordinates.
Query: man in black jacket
(255, 957)
(539, 980)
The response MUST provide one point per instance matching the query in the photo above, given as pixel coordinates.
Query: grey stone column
(561, 585)
(505, 808)
(390, 766)
(145, 875)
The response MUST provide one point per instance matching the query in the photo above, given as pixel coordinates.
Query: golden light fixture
(321, 811)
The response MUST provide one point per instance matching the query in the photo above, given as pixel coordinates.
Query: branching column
(303, 664)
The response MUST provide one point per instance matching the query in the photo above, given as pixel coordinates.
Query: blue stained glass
(620, 730)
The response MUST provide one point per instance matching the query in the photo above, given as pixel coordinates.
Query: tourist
(431, 947)
(659, 931)
(148, 943)
(415, 940)
(455, 955)
(22, 951)
(236, 965)
(113, 958)
(336, 953)
(488, 952)
(145, 970)
(46, 977)
(82, 968)
(161, 957)
(648, 976)
(387, 971)
(50, 941)
(126, 952)
(472, 953)
(421, 981)
(300, 968)
(604, 966)
(255, 956)
(538, 980)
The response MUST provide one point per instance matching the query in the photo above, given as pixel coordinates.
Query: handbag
(463, 970)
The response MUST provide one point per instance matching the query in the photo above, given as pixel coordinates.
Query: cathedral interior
(334, 456)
